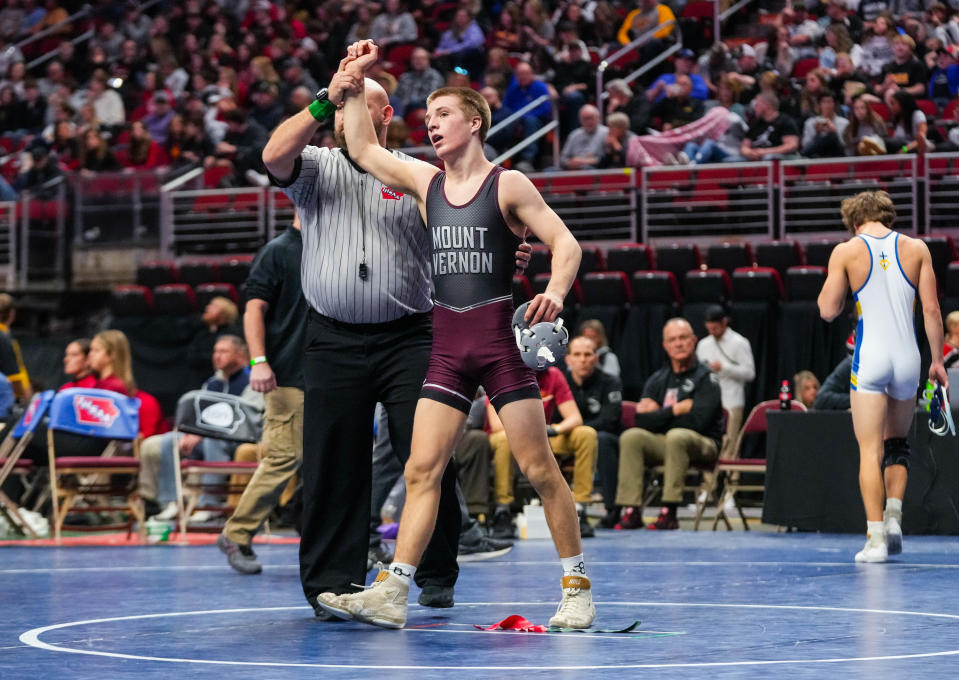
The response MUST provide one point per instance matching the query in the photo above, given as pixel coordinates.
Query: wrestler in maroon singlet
(473, 259)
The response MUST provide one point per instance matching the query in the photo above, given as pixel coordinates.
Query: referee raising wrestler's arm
(491, 210)
(365, 277)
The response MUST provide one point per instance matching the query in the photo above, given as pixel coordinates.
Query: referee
(365, 277)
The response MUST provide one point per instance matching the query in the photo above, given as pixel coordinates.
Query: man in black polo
(599, 397)
(679, 420)
(274, 323)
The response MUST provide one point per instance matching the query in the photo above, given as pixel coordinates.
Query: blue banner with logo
(36, 409)
(95, 413)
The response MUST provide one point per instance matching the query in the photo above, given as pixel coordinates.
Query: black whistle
(364, 271)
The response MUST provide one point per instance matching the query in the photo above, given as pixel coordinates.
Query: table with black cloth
(812, 475)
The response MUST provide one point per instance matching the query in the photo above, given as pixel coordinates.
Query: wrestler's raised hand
(544, 307)
(364, 54)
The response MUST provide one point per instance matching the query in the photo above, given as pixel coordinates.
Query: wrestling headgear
(540, 345)
(940, 413)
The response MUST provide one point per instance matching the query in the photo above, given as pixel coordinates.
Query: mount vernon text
(459, 250)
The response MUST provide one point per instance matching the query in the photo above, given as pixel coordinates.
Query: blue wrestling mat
(717, 605)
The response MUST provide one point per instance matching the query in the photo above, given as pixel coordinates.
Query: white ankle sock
(573, 566)
(875, 532)
(404, 572)
(893, 509)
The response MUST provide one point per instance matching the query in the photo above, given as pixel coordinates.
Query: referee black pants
(347, 369)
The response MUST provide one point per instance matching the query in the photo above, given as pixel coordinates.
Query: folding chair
(730, 469)
(11, 451)
(103, 415)
(214, 415)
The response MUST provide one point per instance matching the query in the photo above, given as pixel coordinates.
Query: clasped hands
(348, 79)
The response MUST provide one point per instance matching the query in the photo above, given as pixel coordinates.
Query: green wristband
(321, 109)
(257, 360)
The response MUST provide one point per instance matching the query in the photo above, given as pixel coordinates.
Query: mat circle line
(32, 639)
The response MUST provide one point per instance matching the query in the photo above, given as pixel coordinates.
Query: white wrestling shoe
(576, 609)
(893, 532)
(873, 552)
(383, 604)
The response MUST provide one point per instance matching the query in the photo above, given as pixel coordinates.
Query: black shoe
(665, 522)
(502, 525)
(610, 519)
(378, 553)
(241, 557)
(151, 507)
(484, 549)
(585, 528)
(438, 597)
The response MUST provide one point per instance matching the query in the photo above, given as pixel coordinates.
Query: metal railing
(279, 212)
(733, 199)
(116, 207)
(42, 245)
(76, 40)
(205, 221)
(551, 126)
(781, 199)
(8, 243)
(812, 189)
(56, 28)
(630, 48)
(720, 17)
(192, 179)
(941, 171)
(595, 204)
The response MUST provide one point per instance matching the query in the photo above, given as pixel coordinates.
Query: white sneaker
(383, 604)
(893, 535)
(169, 511)
(873, 552)
(682, 158)
(576, 609)
(201, 516)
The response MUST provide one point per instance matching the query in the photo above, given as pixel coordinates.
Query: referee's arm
(291, 137)
(287, 142)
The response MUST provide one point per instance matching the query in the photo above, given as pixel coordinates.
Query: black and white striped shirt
(342, 209)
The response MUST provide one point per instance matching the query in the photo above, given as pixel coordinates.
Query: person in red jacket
(76, 365)
(110, 359)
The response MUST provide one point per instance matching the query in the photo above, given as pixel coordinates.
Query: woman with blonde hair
(109, 358)
(806, 386)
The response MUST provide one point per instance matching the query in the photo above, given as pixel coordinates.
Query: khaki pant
(282, 446)
(472, 456)
(639, 449)
(581, 443)
(733, 425)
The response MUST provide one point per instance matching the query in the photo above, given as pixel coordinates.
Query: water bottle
(785, 397)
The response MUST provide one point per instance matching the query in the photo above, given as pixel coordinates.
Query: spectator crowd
(203, 82)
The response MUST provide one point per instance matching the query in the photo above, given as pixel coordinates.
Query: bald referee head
(378, 104)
